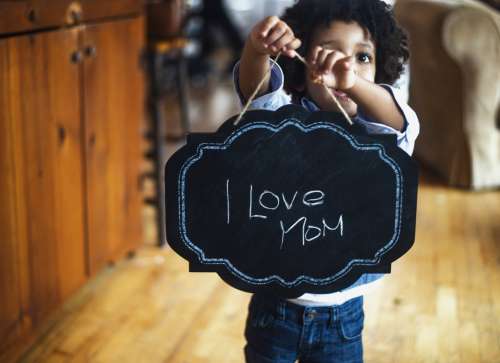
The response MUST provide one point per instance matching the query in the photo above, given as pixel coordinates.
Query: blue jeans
(278, 331)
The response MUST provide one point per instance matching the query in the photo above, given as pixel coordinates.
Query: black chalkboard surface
(291, 202)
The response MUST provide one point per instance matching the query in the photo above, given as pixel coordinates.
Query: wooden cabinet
(42, 224)
(113, 138)
(12, 231)
(71, 117)
(47, 117)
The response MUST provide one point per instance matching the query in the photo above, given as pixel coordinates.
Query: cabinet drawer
(30, 15)
(93, 10)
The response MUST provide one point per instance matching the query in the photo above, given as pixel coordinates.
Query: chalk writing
(268, 201)
(306, 228)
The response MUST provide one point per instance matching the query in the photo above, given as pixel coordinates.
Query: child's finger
(321, 58)
(283, 41)
(275, 33)
(291, 47)
(290, 53)
(294, 44)
(348, 62)
(330, 60)
(344, 64)
(266, 25)
(313, 57)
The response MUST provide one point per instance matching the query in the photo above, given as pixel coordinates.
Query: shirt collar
(308, 104)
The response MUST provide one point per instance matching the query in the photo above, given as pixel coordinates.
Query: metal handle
(76, 16)
(31, 15)
(76, 57)
(61, 134)
(90, 51)
(74, 13)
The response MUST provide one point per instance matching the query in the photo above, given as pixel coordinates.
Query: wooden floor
(440, 304)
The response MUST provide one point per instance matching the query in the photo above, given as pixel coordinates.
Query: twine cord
(261, 83)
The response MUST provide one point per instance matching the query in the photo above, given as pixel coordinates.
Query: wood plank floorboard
(441, 303)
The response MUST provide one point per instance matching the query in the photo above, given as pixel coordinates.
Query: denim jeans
(278, 331)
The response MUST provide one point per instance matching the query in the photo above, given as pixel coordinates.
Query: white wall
(248, 12)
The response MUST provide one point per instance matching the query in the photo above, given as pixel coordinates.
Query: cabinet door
(114, 114)
(11, 210)
(44, 97)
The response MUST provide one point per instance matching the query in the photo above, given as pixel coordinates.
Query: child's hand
(332, 68)
(272, 35)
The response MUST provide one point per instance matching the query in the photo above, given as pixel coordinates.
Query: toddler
(357, 50)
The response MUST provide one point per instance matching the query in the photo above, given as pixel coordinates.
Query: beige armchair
(455, 87)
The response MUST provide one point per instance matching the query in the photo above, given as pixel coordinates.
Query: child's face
(352, 40)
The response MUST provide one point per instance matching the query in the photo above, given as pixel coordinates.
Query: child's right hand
(272, 35)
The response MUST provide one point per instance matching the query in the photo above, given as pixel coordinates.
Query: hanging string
(348, 119)
(252, 96)
(262, 81)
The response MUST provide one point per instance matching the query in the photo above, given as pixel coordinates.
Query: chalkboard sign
(290, 202)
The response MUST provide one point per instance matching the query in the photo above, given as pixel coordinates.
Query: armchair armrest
(471, 36)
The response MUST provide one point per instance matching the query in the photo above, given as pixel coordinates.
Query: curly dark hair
(375, 16)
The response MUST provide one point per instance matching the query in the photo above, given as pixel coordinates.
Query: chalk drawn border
(276, 128)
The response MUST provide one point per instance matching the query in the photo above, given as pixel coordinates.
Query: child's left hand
(332, 68)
